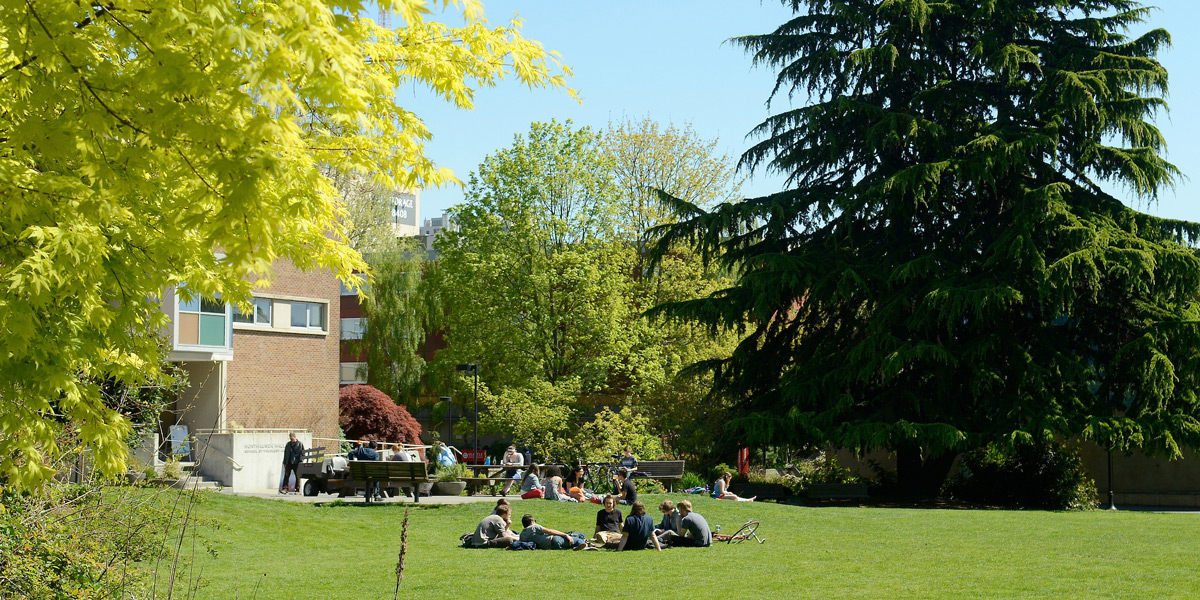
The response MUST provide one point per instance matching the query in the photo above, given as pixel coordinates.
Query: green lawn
(290, 550)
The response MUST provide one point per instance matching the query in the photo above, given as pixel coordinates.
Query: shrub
(692, 480)
(649, 486)
(455, 472)
(1048, 476)
(367, 413)
(723, 468)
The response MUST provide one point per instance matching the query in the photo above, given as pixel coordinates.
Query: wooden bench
(836, 491)
(314, 454)
(668, 470)
(390, 473)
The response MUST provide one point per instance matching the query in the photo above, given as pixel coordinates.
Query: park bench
(836, 491)
(389, 474)
(667, 470)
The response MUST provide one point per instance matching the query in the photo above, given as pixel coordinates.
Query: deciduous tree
(149, 144)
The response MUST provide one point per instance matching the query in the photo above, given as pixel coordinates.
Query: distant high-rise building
(406, 212)
(433, 227)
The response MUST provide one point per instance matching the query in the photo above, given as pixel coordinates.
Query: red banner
(474, 457)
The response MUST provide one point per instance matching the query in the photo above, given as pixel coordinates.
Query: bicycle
(598, 477)
(746, 532)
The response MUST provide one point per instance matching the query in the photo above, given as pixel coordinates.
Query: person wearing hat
(513, 459)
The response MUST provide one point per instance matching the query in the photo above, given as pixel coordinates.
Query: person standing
(293, 453)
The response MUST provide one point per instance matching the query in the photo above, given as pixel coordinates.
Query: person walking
(293, 453)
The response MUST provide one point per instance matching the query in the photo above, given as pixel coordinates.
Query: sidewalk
(327, 498)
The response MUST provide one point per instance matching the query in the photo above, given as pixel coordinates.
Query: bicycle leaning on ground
(747, 531)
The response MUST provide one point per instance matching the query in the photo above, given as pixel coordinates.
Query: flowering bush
(367, 413)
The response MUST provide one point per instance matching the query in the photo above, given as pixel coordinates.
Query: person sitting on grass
(493, 531)
(549, 539)
(721, 489)
(575, 478)
(608, 523)
(628, 491)
(693, 529)
(638, 530)
(531, 483)
(555, 491)
(504, 502)
(670, 522)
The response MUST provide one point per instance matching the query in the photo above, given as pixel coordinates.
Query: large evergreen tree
(946, 267)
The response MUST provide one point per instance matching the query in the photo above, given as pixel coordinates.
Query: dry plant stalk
(400, 559)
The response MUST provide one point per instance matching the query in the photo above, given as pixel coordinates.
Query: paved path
(324, 498)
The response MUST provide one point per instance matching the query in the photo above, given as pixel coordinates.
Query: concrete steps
(193, 479)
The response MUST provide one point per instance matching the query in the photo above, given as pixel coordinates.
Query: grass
(270, 549)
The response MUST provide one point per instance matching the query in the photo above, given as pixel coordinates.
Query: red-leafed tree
(367, 413)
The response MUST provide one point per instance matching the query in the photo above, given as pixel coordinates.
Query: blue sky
(668, 60)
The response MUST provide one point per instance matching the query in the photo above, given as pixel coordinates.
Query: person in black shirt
(608, 523)
(628, 492)
(293, 453)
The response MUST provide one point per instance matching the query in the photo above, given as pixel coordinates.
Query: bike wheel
(745, 533)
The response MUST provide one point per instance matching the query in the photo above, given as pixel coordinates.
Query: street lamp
(449, 418)
(473, 368)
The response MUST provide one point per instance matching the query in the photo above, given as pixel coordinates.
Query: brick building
(259, 374)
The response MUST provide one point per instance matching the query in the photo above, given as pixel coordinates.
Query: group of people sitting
(679, 527)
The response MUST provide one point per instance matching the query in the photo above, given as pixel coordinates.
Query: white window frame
(254, 312)
(360, 373)
(352, 328)
(306, 306)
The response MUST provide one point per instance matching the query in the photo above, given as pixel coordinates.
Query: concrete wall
(201, 405)
(257, 458)
(1138, 479)
(1141, 480)
(286, 379)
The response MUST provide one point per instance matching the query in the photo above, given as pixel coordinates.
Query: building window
(308, 315)
(202, 322)
(260, 313)
(352, 328)
(352, 372)
(362, 280)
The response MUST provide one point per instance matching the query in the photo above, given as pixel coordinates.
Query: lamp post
(449, 419)
(473, 368)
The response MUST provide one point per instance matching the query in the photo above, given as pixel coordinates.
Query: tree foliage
(648, 158)
(397, 320)
(153, 144)
(945, 268)
(533, 279)
(367, 413)
(548, 248)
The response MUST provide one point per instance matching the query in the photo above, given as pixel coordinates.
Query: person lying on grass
(638, 530)
(549, 539)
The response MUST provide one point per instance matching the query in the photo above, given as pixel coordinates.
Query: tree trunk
(921, 477)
